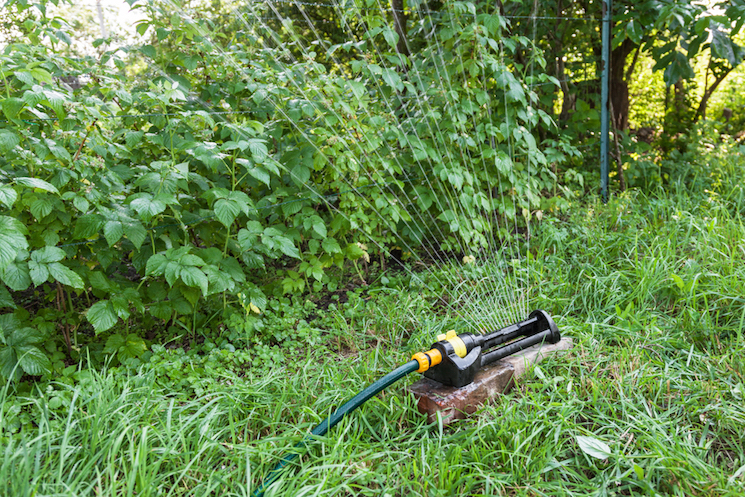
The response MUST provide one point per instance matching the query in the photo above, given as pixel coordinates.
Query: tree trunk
(399, 24)
(619, 84)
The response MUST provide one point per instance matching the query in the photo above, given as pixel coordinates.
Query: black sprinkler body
(464, 354)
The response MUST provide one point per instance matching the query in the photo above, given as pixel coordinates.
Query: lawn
(651, 401)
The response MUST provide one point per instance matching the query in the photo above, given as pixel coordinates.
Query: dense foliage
(236, 154)
(235, 165)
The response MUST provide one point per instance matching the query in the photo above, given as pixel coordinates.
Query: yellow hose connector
(427, 359)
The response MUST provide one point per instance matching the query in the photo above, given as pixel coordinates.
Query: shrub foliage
(182, 181)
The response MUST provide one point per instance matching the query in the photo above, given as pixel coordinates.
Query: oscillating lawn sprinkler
(453, 360)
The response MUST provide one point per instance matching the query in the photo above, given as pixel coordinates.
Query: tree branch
(709, 91)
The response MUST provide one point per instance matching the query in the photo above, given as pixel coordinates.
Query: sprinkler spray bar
(455, 359)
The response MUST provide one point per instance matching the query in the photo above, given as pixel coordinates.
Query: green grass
(651, 288)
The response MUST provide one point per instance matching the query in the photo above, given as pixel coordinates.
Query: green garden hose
(338, 415)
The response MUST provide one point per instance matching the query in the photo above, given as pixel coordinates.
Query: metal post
(101, 23)
(604, 107)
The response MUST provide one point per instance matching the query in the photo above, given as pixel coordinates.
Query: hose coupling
(427, 359)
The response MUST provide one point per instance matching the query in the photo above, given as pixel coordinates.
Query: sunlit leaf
(594, 447)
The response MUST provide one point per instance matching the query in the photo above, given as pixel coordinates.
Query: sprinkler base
(457, 403)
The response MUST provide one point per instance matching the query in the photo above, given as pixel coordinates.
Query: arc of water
(321, 152)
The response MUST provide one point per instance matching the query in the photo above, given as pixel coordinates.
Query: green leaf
(233, 268)
(122, 303)
(65, 275)
(13, 231)
(126, 348)
(678, 281)
(6, 299)
(132, 138)
(148, 50)
(57, 150)
(195, 277)
(594, 447)
(219, 280)
(181, 306)
(33, 361)
(226, 211)
(12, 107)
(162, 33)
(7, 253)
(156, 265)
(161, 310)
(113, 343)
(48, 255)
(723, 47)
(80, 203)
(391, 37)
(191, 260)
(22, 337)
(8, 322)
(147, 207)
(516, 92)
(88, 226)
(319, 227)
(41, 75)
(258, 149)
(300, 175)
(354, 251)
(56, 101)
(678, 68)
(102, 316)
(634, 31)
(257, 298)
(246, 238)
(358, 89)
(135, 232)
(16, 276)
(8, 196)
(41, 208)
(261, 174)
(392, 79)
(99, 281)
(171, 271)
(141, 25)
(8, 361)
(37, 183)
(331, 246)
(25, 77)
(39, 272)
(292, 207)
(66, 39)
(113, 231)
(287, 247)
(8, 140)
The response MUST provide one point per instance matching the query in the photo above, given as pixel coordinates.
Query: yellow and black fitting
(460, 358)
(457, 342)
(427, 359)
